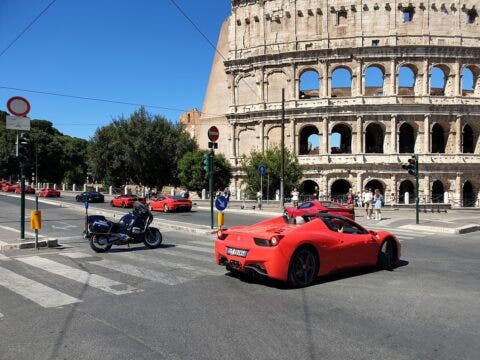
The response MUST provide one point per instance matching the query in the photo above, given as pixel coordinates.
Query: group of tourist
(372, 201)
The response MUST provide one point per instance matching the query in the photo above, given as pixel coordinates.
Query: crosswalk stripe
(34, 291)
(1, 316)
(4, 258)
(185, 255)
(81, 276)
(194, 248)
(208, 245)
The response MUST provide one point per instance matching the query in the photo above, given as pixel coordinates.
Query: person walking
(368, 201)
(295, 196)
(378, 202)
(350, 199)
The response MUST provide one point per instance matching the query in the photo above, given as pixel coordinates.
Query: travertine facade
(411, 83)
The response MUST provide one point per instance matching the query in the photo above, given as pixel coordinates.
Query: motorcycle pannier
(101, 227)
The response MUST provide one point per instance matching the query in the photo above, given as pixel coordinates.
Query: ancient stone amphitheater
(367, 84)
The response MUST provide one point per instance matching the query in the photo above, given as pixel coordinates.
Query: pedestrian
(186, 194)
(368, 201)
(259, 198)
(227, 193)
(295, 196)
(378, 203)
(358, 199)
(350, 199)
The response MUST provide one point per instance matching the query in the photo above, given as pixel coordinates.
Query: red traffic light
(411, 162)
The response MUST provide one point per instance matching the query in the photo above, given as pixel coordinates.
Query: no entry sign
(213, 133)
(18, 106)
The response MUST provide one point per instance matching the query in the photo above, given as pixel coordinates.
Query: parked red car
(49, 193)
(298, 250)
(168, 203)
(28, 190)
(126, 200)
(320, 206)
(9, 188)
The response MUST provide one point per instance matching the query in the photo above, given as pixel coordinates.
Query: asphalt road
(175, 303)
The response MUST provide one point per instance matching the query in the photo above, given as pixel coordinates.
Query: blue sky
(140, 51)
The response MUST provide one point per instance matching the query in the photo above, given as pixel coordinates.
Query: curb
(46, 243)
(443, 230)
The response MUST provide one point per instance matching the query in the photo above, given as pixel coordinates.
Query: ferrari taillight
(221, 235)
(274, 240)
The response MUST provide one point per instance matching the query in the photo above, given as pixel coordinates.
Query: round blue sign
(86, 204)
(221, 203)
(262, 169)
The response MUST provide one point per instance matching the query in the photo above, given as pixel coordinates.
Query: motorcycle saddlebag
(92, 218)
(100, 227)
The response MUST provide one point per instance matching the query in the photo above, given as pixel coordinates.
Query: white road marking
(1, 316)
(81, 276)
(3, 257)
(209, 245)
(34, 291)
(18, 231)
(75, 255)
(188, 255)
(195, 248)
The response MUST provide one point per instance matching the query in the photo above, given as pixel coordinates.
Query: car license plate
(237, 252)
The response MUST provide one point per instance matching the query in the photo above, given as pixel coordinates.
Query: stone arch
(468, 195)
(376, 184)
(339, 189)
(246, 141)
(246, 90)
(468, 145)
(470, 80)
(276, 81)
(374, 138)
(374, 80)
(406, 79)
(438, 192)
(309, 140)
(309, 189)
(406, 186)
(309, 84)
(406, 138)
(341, 84)
(345, 144)
(439, 79)
(273, 137)
(438, 139)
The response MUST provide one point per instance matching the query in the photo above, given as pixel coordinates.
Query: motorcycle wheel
(99, 243)
(153, 238)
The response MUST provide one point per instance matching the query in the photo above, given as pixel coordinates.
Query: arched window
(246, 91)
(437, 192)
(309, 85)
(406, 186)
(375, 184)
(468, 195)
(467, 137)
(374, 137)
(470, 77)
(275, 82)
(438, 139)
(341, 83)
(374, 79)
(341, 140)
(406, 81)
(308, 190)
(309, 141)
(437, 81)
(406, 139)
(339, 190)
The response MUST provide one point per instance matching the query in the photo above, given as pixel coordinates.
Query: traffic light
(411, 166)
(206, 162)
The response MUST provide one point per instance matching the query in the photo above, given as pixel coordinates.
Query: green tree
(193, 176)
(271, 160)
(142, 148)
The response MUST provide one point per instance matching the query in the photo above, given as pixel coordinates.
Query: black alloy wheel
(153, 238)
(303, 268)
(386, 255)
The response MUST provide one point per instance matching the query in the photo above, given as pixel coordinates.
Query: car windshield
(176, 198)
(343, 225)
(330, 205)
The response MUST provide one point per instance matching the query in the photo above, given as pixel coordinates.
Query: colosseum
(367, 84)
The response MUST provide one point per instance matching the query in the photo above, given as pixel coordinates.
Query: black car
(90, 196)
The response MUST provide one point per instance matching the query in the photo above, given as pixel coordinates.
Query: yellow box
(220, 219)
(36, 219)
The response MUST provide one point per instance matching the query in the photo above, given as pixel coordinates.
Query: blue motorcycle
(133, 228)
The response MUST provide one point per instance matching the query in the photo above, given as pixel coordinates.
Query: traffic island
(28, 244)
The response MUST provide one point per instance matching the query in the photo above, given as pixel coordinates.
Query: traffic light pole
(22, 203)
(417, 202)
(210, 184)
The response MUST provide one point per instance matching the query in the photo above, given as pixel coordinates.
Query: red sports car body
(28, 190)
(49, 193)
(170, 203)
(9, 188)
(299, 250)
(126, 200)
(320, 206)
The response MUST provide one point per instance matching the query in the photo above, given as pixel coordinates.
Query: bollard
(110, 190)
(74, 187)
(220, 219)
(35, 219)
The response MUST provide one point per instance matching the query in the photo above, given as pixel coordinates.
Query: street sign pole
(210, 185)
(417, 203)
(22, 202)
(261, 188)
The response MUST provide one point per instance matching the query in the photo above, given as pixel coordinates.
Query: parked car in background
(28, 190)
(49, 193)
(298, 250)
(125, 201)
(9, 187)
(320, 206)
(90, 196)
(168, 203)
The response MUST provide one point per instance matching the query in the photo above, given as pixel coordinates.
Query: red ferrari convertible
(320, 206)
(170, 203)
(49, 193)
(28, 190)
(9, 188)
(298, 250)
(126, 200)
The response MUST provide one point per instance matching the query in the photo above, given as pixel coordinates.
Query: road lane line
(195, 248)
(209, 245)
(18, 231)
(76, 255)
(3, 257)
(1, 316)
(81, 276)
(185, 255)
(34, 291)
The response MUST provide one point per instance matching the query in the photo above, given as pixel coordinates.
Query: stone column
(233, 140)
(232, 87)
(359, 183)
(359, 68)
(294, 142)
(393, 78)
(324, 79)
(294, 92)
(261, 126)
(359, 135)
(261, 79)
(426, 135)
(393, 134)
(458, 138)
(458, 76)
(325, 134)
(426, 78)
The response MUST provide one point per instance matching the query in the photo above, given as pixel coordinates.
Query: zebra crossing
(402, 234)
(52, 280)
